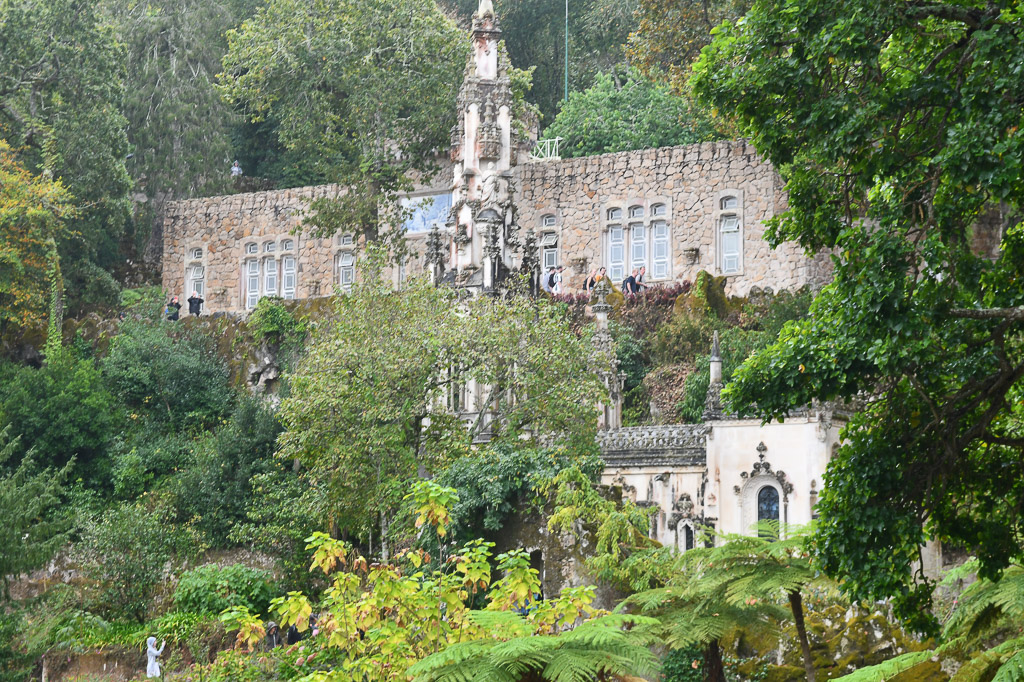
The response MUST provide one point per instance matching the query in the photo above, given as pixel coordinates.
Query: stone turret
(481, 224)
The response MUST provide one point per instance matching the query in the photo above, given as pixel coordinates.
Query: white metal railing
(546, 150)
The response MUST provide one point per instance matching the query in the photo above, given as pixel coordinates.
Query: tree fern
(599, 647)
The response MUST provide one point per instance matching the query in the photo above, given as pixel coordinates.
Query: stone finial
(486, 7)
(602, 290)
(716, 361)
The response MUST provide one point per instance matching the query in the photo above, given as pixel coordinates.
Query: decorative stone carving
(650, 437)
(764, 468)
(490, 133)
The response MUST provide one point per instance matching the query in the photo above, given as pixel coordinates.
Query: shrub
(211, 589)
(272, 322)
(214, 485)
(684, 665)
(180, 382)
(124, 551)
(683, 338)
(139, 461)
(61, 410)
(499, 480)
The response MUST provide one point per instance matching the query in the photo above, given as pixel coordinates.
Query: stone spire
(480, 229)
(713, 399)
(605, 359)
(716, 361)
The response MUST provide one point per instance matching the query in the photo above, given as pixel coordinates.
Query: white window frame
(637, 246)
(269, 247)
(197, 279)
(252, 283)
(270, 277)
(728, 221)
(616, 252)
(289, 279)
(288, 245)
(197, 253)
(730, 237)
(252, 248)
(646, 240)
(548, 220)
(549, 250)
(346, 270)
(661, 250)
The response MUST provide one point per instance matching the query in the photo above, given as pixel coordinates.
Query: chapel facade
(675, 211)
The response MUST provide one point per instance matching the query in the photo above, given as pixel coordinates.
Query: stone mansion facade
(675, 211)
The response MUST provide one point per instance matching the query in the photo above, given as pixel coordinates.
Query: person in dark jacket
(195, 303)
(273, 636)
(172, 309)
(629, 284)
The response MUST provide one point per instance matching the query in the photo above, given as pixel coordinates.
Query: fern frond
(1012, 670)
(888, 669)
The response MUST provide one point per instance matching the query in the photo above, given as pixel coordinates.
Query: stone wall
(221, 227)
(690, 182)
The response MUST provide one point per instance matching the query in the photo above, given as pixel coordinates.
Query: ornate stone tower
(481, 225)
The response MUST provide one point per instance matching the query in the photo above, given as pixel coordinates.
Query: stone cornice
(672, 445)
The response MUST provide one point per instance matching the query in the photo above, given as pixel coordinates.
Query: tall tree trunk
(714, 671)
(796, 603)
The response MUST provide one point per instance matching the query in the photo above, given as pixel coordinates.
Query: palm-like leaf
(601, 646)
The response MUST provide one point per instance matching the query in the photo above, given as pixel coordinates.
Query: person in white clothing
(152, 653)
(556, 288)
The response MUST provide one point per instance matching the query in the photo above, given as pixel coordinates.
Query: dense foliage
(182, 377)
(368, 122)
(61, 84)
(896, 130)
(368, 410)
(211, 589)
(63, 411)
(32, 214)
(615, 115)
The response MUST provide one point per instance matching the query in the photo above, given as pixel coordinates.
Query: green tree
(214, 484)
(670, 34)
(61, 83)
(179, 383)
(29, 535)
(377, 395)
(32, 214)
(123, 551)
(616, 115)
(62, 411)
(178, 125)
(896, 129)
(366, 88)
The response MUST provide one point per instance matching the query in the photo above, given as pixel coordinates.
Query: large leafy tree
(534, 32)
(364, 89)
(670, 34)
(61, 82)
(32, 213)
(374, 401)
(178, 125)
(633, 113)
(897, 130)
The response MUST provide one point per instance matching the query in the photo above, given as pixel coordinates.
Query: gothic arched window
(767, 508)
